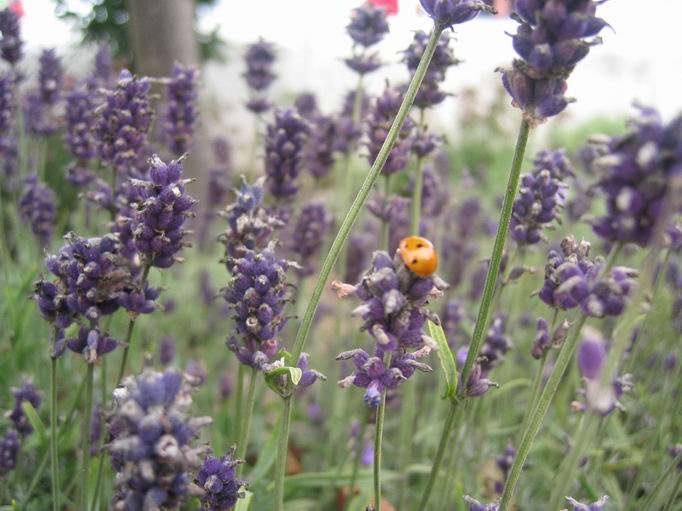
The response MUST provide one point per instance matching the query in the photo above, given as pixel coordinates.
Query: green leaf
(267, 456)
(294, 374)
(245, 503)
(447, 360)
(34, 419)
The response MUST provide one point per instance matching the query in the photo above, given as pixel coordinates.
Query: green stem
(245, 428)
(238, 399)
(282, 447)
(100, 463)
(378, 437)
(440, 453)
(356, 462)
(418, 184)
(131, 327)
(85, 440)
(405, 435)
(538, 415)
(54, 450)
(363, 193)
(498, 250)
(566, 476)
(660, 484)
(674, 494)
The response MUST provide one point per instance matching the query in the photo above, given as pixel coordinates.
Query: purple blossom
(159, 217)
(453, 318)
(453, 12)
(591, 354)
(635, 176)
(196, 369)
(306, 105)
(7, 104)
(103, 69)
(381, 117)
(50, 77)
(124, 122)
(368, 25)
(551, 39)
(11, 43)
(319, 151)
(182, 110)
(38, 208)
(256, 296)
(542, 340)
(284, 144)
(249, 224)
(349, 132)
(9, 452)
(573, 279)
(226, 385)
(166, 350)
(358, 251)
(27, 392)
(80, 121)
(310, 232)
(152, 431)
(496, 344)
(218, 478)
(260, 58)
(38, 117)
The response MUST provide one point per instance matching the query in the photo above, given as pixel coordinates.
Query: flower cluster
(539, 198)
(310, 232)
(446, 13)
(38, 208)
(394, 314)
(218, 478)
(27, 392)
(319, 152)
(11, 43)
(124, 122)
(182, 111)
(256, 296)
(50, 77)
(103, 70)
(551, 39)
(249, 224)
(574, 279)
(152, 431)
(430, 93)
(9, 451)
(367, 27)
(380, 119)
(284, 144)
(80, 120)
(260, 57)
(636, 173)
(159, 216)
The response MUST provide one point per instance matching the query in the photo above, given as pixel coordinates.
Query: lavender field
(379, 306)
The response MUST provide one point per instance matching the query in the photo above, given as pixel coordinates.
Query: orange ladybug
(419, 255)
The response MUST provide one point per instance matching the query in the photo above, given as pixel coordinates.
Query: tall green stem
(245, 428)
(238, 401)
(282, 447)
(102, 454)
(53, 435)
(440, 453)
(378, 437)
(357, 456)
(660, 484)
(498, 250)
(85, 439)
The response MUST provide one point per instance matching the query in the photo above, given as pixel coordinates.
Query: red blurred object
(391, 6)
(17, 8)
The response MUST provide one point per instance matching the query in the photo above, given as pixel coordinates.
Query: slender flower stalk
(54, 448)
(357, 457)
(245, 427)
(85, 440)
(339, 241)
(378, 438)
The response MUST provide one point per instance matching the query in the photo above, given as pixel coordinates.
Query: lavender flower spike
(283, 152)
(50, 77)
(26, 392)
(218, 480)
(159, 218)
(38, 208)
(11, 44)
(312, 227)
(381, 117)
(152, 431)
(9, 452)
(182, 112)
(80, 121)
(453, 12)
(260, 57)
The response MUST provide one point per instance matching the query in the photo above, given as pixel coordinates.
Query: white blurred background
(640, 59)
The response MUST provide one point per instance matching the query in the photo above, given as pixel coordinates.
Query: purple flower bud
(591, 354)
(80, 121)
(368, 25)
(152, 432)
(91, 343)
(260, 57)
(27, 392)
(218, 478)
(319, 151)
(182, 110)
(103, 70)
(38, 208)
(11, 43)
(284, 144)
(166, 350)
(306, 105)
(50, 77)
(9, 449)
(453, 12)
(226, 385)
(310, 232)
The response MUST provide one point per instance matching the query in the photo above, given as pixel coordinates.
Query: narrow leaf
(34, 419)
(447, 360)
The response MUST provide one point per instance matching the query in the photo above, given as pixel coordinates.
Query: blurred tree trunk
(162, 33)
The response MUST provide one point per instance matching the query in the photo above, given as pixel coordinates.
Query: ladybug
(419, 255)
